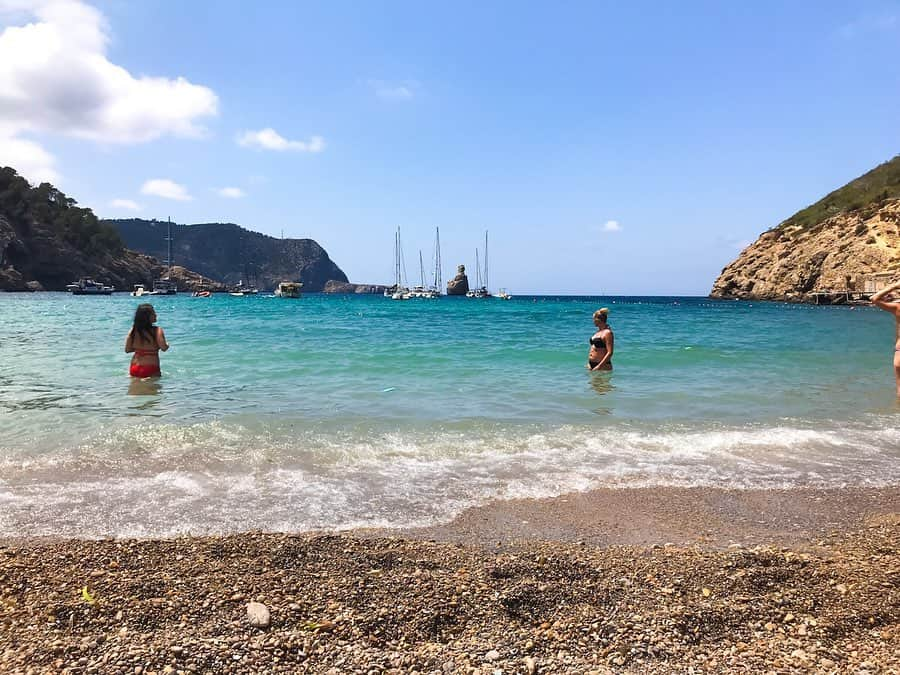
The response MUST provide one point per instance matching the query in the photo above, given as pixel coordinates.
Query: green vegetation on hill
(44, 204)
(868, 191)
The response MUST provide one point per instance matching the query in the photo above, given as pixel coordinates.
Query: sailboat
(481, 289)
(165, 285)
(435, 290)
(399, 292)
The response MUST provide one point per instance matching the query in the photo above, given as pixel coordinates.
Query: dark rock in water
(333, 286)
(458, 285)
(229, 253)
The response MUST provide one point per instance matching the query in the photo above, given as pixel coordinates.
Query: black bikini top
(597, 342)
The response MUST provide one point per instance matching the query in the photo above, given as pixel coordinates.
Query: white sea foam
(214, 478)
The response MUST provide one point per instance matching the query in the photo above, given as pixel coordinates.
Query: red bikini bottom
(138, 370)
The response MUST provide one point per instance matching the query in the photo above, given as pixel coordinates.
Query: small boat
(288, 289)
(139, 290)
(87, 286)
(164, 286)
(203, 293)
(503, 295)
(240, 290)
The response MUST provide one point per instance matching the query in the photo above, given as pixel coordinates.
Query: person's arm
(161, 340)
(879, 301)
(608, 341)
(129, 342)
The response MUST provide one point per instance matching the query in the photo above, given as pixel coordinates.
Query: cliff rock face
(837, 244)
(458, 285)
(229, 253)
(840, 254)
(346, 287)
(46, 242)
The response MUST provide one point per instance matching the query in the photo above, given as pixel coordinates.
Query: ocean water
(347, 411)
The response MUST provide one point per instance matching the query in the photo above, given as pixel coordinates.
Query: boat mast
(477, 271)
(486, 285)
(397, 260)
(169, 248)
(437, 259)
(421, 268)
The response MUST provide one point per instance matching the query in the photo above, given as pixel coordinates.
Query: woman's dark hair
(143, 322)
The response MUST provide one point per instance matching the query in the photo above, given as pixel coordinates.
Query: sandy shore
(642, 580)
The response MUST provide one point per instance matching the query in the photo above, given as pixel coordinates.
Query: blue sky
(609, 148)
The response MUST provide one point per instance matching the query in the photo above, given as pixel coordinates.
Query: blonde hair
(603, 311)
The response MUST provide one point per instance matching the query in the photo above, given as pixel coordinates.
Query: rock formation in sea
(229, 253)
(458, 285)
(347, 287)
(844, 242)
(46, 242)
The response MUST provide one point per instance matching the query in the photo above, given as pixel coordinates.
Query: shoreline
(629, 580)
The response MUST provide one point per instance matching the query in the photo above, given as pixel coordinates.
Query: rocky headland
(230, 253)
(844, 242)
(47, 241)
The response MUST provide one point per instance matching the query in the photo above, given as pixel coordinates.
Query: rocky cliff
(229, 253)
(346, 287)
(46, 242)
(839, 243)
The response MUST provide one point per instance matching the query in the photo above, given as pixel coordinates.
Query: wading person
(145, 340)
(892, 306)
(600, 355)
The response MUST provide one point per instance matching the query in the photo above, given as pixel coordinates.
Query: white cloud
(394, 91)
(165, 188)
(231, 192)
(611, 226)
(28, 158)
(269, 139)
(55, 78)
(125, 204)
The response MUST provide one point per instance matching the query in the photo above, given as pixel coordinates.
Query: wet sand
(639, 580)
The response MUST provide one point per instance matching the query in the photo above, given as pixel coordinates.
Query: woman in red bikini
(145, 340)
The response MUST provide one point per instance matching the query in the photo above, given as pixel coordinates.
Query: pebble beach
(713, 587)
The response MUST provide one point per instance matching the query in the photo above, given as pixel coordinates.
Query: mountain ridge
(230, 253)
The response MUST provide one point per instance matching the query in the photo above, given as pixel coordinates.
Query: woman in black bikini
(600, 356)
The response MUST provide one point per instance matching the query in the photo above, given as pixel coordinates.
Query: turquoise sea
(346, 411)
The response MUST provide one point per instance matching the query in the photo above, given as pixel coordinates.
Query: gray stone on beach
(258, 614)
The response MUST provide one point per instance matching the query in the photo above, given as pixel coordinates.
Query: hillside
(46, 241)
(838, 243)
(229, 253)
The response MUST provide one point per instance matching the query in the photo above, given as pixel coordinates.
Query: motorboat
(164, 286)
(87, 286)
(202, 293)
(503, 295)
(240, 290)
(139, 290)
(288, 289)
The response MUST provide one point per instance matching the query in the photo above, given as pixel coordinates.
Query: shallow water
(342, 411)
